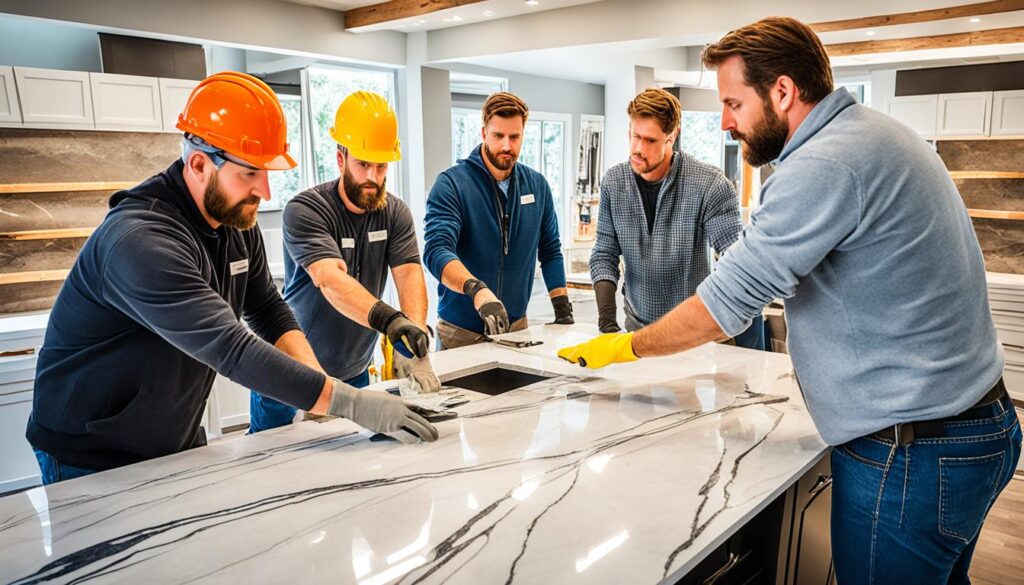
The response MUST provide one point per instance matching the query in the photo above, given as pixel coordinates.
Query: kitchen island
(630, 474)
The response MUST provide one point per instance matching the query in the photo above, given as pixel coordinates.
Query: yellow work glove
(600, 351)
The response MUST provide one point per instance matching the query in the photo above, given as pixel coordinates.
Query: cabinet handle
(729, 564)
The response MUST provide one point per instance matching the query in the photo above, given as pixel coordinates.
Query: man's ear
(198, 165)
(785, 93)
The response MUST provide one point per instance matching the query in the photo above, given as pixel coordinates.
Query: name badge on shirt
(239, 266)
(349, 242)
(377, 236)
(526, 199)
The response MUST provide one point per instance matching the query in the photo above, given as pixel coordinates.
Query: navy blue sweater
(463, 223)
(147, 315)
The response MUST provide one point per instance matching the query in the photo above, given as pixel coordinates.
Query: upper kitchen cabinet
(10, 113)
(52, 98)
(173, 95)
(916, 111)
(1008, 113)
(126, 102)
(964, 114)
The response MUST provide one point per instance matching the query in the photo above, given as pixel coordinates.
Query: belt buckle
(903, 434)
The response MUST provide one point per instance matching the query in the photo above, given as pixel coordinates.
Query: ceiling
(593, 63)
(458, 16)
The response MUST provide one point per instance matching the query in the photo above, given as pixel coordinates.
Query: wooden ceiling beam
(962, 11)
(397, 9)
(998, 36)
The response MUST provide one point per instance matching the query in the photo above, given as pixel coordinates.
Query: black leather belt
(905, 433)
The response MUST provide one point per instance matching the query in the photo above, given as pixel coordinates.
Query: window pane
(530, 153)
(701, 136)
(466, 127)
(554, 155)
(286, 184)
(327, 89)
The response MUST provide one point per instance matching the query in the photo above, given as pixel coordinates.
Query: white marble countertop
(629, 477)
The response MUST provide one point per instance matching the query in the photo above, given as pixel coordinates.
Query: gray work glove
(495, 318)
(419, 371)
(378, 411)
(605, 292)
(563, 310)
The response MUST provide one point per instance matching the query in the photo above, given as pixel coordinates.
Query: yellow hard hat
(367, 126)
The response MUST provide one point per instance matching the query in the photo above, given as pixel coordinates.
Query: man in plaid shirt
(660, 211)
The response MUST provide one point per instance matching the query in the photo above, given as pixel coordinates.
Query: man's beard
(766, 140)
(648, 166)
(374, 201)
(215, 200)
(497, 162)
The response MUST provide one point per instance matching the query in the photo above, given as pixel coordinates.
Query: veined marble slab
(630, 474)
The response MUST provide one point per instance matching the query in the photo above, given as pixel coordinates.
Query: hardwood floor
(999, 558)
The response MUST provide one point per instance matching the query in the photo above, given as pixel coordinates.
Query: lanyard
(503, 217)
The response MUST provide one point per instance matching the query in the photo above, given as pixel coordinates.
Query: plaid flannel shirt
(697, 207)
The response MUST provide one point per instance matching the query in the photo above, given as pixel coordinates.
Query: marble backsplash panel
(1002, 241)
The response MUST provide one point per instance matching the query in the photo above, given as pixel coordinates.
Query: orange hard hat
(240, 115)
(366, 125)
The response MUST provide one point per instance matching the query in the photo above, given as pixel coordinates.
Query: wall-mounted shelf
(986, 175)
(34, 276)
(62, 187)
(996, 214)
(84, 232)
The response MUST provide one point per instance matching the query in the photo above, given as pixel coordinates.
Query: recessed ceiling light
(488, 13)
(975, 19)
(532, 3)
(455, 18)
(870, 33)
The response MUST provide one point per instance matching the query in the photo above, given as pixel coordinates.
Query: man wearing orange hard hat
(341, 238)
(149, 313)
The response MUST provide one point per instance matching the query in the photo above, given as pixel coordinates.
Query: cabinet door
(1007, 113)
(126, 102)
(10, 113)
(173, 96)
(50, 98)
(964, 114)
(916, 111)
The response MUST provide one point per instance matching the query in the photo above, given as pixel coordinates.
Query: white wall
(699, 100)
(27, 42)
(883, 88)
(268, 24)
(621, 88)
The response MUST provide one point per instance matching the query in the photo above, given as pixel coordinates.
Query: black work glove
(495, 318)
(563, 310)
(407, 338)
(605, 291)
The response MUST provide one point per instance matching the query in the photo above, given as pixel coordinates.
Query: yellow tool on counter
(388, 369)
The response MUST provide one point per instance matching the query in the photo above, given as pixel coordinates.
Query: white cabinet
(18, 468)
(52, 98)
(916, 111)
(1008, 113)
(10, 113)
(227, 407)
(173, 96)
(964, 114)
(126, 102)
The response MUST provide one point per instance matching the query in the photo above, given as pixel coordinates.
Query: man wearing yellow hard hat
(341, 238)
(149, 313)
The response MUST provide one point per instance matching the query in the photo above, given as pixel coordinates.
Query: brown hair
(776, 46)
(658, 104)
(504, 105)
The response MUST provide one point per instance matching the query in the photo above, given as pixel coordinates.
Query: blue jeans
(267, 413)
(54, 471)
(912, 513)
